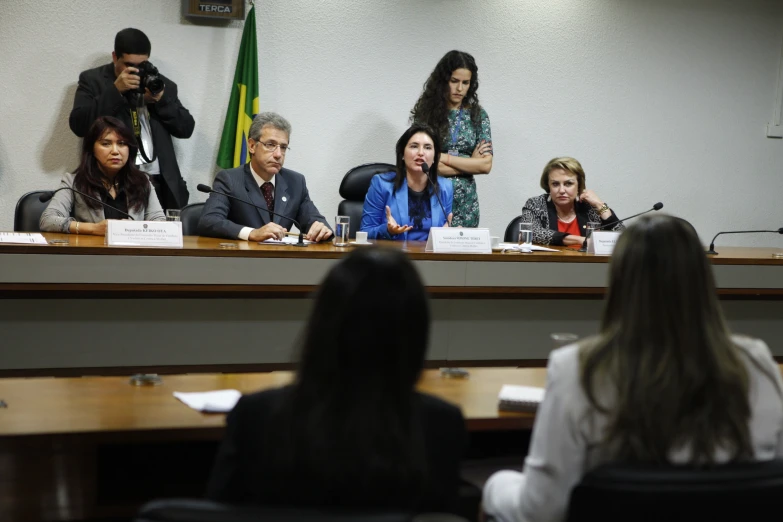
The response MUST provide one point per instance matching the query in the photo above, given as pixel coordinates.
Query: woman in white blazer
(663, 382)
(108, 173)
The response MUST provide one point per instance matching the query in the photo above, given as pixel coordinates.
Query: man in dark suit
(114, 90)
(265, 183)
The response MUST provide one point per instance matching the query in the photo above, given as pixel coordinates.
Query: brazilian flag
(243, 105)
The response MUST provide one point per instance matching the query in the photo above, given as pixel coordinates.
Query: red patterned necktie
(268, 190)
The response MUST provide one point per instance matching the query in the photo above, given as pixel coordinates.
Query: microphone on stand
(426, 170)
(712, 251)
(657, 206)
(46, 196)
(208, 190)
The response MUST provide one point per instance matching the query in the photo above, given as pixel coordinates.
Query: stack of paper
(520, 398)
(219, 401)
(534, 248)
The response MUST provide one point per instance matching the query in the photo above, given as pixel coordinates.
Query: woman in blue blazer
(405, 204)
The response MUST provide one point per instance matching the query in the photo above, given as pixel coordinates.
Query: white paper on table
(515, 246)
(287, 240)
(218, 401)
(26, 238)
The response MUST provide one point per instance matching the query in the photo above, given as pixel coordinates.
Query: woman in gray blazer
(108, 173)
(664, 382)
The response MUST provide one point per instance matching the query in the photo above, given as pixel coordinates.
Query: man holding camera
(131, 89)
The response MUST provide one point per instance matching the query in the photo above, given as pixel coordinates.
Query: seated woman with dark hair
(560, 215)
(352, 431)
(664, 382)
(406, 203)
(107, 172)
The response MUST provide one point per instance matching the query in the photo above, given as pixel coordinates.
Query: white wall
(661, 100)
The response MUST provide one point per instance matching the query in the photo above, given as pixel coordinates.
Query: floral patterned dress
(463, 136)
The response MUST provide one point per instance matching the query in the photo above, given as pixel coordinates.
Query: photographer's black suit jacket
(97, 96)
(225, 217)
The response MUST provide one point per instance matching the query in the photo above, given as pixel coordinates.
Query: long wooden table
(79, 448)
(85, 308)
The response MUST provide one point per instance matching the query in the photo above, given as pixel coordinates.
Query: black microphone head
(780, 231)
(658, 206)
(425, 168)
(203, 188)
(46, 196)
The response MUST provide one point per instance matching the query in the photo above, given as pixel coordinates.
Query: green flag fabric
(243, 104)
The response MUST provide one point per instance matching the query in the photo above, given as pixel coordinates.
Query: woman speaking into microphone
(406, 203)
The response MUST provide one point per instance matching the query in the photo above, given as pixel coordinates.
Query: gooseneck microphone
(657, 206)
(209, 190)
(712, 251)
(46, 196)
(426, 170)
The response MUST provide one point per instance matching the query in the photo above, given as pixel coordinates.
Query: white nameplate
(144, 233)
(602, 242)
(449, 240)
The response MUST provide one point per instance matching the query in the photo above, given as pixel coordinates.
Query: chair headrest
(356, 181)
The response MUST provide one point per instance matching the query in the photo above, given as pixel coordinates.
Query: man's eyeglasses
(271, 146)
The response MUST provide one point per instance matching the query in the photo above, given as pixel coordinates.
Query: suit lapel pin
(285, 199)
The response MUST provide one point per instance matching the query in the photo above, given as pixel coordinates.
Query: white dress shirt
(244, 234)
(153, 167)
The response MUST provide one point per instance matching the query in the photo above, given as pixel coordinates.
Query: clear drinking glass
(342, 226)
(173, 214)
(525, 234)
(589, 228)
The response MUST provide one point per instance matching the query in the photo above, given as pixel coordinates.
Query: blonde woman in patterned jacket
(560, 215)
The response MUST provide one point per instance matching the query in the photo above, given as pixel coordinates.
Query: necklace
(108, 184)
(568, 218)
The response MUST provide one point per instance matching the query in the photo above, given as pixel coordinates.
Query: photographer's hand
(149, 98)
(127, 80)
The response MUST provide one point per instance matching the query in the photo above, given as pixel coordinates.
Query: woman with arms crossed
(449, 104)
(560, 215)
(406, 203)
(664, 382)
(107, 172)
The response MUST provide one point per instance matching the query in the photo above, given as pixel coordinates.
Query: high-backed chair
(186, 510)
(747, 491)
(353, 189)
(28, 212)
(190, 215)
(512, 230)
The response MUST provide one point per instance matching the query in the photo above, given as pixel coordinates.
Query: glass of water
(342, 226)
(589, 228)
(172, 214)
(526, 234)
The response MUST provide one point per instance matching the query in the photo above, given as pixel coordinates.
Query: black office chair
(186, 510)
(512, 230)
(353, 189)
(28, 212)
(733, 492)
(190, 216)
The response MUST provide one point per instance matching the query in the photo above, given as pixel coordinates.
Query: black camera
(149, 78)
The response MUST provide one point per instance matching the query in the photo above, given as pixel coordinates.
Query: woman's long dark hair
(88, 175)
(401, 171)
(432, 108)
(664, 356)
(349, 433)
